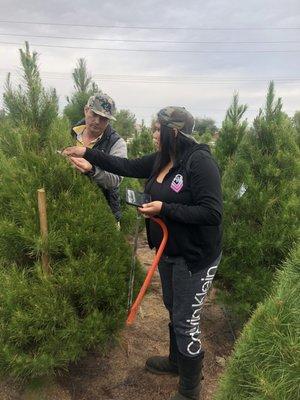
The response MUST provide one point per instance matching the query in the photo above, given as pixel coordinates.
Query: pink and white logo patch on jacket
(177, 183)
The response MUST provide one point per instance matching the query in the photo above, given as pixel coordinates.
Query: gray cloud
(144, 99)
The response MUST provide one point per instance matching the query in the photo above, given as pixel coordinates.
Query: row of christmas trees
(260, 168)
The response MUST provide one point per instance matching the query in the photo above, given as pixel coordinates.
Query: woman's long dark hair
(171, 148)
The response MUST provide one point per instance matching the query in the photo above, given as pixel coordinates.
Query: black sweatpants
(183, 295)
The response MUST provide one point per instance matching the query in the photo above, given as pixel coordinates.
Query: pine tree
(261, 203)
(125, 124)
(82, 79)
(30, 104)
(142, 143)
(265, 361)
(296, 120)
(46, 322)
(84, 87)
(2, 114)
(206, 137)
(232, 131)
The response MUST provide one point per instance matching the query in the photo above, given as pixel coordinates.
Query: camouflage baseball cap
(102, 105)
(178, 118)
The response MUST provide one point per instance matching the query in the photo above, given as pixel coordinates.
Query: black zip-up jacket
(192, 201)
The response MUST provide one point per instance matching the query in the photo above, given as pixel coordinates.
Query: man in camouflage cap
(103, 105)
(178, 118)
(95, 131)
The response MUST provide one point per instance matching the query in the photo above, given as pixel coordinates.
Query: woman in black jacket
(184, 182)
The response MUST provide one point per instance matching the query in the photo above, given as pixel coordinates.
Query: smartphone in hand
(137, 199)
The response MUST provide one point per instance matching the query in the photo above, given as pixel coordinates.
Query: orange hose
(134, 309)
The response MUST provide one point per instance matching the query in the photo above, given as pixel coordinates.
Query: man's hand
(150, 209)
(81, 164)
(74, 151)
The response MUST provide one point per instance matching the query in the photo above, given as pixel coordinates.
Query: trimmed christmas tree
(48, 321)
(265, 362)
(261, 206)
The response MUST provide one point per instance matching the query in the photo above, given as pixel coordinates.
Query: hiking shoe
(160, 365)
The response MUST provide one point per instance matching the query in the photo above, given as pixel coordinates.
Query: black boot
(165, 365)
(190, 376)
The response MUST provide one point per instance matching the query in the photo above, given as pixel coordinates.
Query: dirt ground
(120, 375)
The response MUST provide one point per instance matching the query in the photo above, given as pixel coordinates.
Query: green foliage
(30, 104)
(82, 80)
(142, 143)
(46, 323)
(35, 319)
(265, 362)
(296, 120)
(261, 224)
(74, 110)
(204, 125)
(84, 89)
(231, 134)
(125, 123)
(204, 138)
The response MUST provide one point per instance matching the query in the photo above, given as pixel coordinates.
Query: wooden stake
(43, 227)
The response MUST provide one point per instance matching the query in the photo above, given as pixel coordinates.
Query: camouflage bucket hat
(178, 118)
(102, 105)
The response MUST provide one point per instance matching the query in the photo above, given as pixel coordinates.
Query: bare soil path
(120, 374)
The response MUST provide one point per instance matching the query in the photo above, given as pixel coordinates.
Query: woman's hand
(74, 151)
(81, 164)
(150, 209)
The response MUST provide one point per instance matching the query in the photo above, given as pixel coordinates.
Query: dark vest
(109, 138)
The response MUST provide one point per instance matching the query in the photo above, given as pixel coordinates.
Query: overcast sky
(200, 76)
